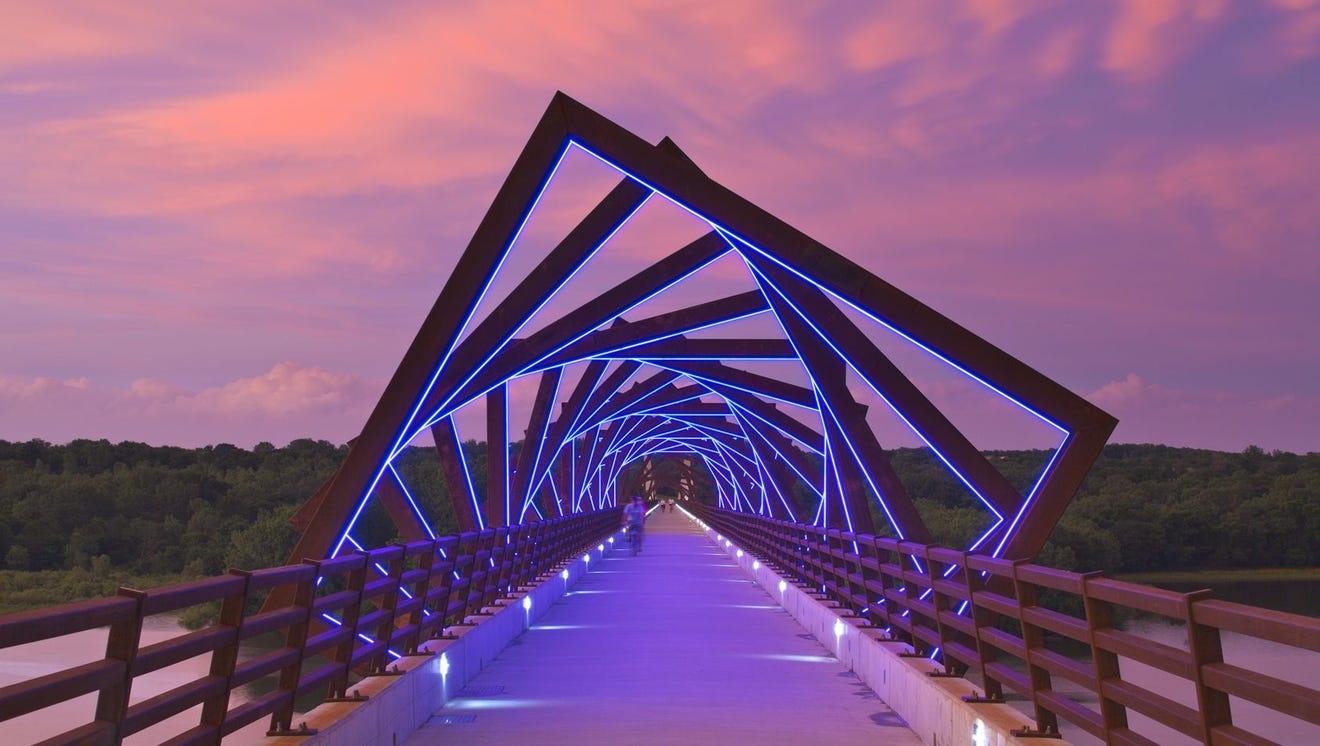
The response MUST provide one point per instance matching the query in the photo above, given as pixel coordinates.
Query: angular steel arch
(649, 390)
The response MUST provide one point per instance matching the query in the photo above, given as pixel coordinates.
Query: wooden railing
(350, 614)
(1005, 620)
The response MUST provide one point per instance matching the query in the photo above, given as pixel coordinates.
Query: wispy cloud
(295, 181)
(289, 401)
(1224, 420)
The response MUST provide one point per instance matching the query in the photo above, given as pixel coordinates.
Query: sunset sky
(224, 221)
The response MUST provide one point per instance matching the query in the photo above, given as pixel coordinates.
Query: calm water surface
(38, 659)
(1280, 661)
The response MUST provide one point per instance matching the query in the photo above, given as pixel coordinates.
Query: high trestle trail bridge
(795, 592)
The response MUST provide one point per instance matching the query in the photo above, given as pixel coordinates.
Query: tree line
(97, 507)
(1148, 508)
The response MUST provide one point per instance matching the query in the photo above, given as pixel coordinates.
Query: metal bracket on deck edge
(301, 730)
(1027, 732)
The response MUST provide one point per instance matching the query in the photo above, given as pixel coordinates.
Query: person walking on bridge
(634, 519)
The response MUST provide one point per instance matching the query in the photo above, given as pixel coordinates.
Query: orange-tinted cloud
(295, 183)
(1224, 420)
(1144, 38)
(289, 401)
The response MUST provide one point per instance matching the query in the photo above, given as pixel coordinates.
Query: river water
(26, 662)
(1280, 661)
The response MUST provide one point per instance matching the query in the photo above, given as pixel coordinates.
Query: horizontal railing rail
(1007, 620)
(349, 614)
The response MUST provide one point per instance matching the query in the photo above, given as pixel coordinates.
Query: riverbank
(1215, 577)
(22, 590)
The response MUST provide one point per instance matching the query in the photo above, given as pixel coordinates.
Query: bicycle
(635, 539)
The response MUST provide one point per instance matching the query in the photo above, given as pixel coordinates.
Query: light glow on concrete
(795, 658)
(980, 737)
(503, 703)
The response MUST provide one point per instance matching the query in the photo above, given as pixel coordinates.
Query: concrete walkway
(674, 646)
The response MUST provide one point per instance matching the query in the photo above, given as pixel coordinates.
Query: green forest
(80, 519)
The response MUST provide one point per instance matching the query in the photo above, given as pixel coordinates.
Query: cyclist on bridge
(634, 519)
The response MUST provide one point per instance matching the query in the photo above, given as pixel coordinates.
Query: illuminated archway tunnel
(646, 354)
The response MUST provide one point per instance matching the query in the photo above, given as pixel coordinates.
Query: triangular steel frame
(753, 451)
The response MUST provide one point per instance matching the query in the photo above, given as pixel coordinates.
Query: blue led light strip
(444, 406)
(732, 237)
(531, 366)
(805, 318)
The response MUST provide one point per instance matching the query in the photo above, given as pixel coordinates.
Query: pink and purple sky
(224, 221)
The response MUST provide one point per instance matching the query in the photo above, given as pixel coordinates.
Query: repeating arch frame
(752, 451)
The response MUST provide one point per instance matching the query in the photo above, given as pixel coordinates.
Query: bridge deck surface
(674, 646)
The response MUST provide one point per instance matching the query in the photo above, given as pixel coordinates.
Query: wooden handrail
(911, 590)
(416, 597)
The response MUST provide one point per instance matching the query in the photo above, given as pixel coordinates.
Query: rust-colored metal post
(498, 509)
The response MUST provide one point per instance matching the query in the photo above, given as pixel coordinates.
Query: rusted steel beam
(497, 456)
(521, 356)
(853, 439)
(771, 415)
(623, 335)
(303, 516)
(611, 386)
(707, 349)
(453, 468)
(390, 491)
(875, 368)
(793, 457)
(393, 416)
(768, 235)
(558, 433)
(781, 476)
(730, 431)
(533, 448)
(773, 424)
(657, 385)
(540, 285)
(688, 407)
(704, 371)
(1030, 528)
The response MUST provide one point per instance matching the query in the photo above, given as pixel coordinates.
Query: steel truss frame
(649, 390)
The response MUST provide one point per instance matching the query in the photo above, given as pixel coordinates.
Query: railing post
(1204, 642)
(281, 721)
(885, 550)
(907, 566)
(343, 655)
(986, 653)
(940, 603)
(224, 659)
(421, 590)
(1099, 615)
(1033, 638)
(121, 644)
(389, 605)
